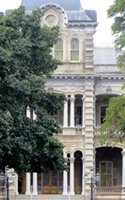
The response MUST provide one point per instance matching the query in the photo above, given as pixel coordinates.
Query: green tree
(25, 63)
(114, 126)
(117, 11)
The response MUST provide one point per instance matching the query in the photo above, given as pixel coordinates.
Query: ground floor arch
(109, 166)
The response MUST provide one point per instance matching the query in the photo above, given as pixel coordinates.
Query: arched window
(74, 51)
(58, 50)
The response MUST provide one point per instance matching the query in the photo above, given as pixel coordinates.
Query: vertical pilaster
(72, 176)
(28, 184)
(89, 125)
(35, 184)
(65, 181)
(89, 51)
(72, 100)
(65, 114)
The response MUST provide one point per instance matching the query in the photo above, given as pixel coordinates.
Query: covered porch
(110, 164)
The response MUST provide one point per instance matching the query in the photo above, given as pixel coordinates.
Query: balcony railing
(106, 190)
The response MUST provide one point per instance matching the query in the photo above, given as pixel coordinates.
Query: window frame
(59, 50)
(75, 116)
(106, 174)
(103, 105)
(74, 50)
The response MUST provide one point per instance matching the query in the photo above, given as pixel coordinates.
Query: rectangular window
(58, 50)
(74, 51)
(106, 174)
(103, 114)
(78, 115)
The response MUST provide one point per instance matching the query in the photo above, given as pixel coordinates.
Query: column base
(71, 193)
(65, 193)
(27, 193)
(17, 193)
(82, 193)
(34, 193)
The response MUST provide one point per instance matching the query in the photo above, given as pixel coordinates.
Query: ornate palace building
(89, 78)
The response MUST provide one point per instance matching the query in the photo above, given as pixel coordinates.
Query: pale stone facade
(89, 78)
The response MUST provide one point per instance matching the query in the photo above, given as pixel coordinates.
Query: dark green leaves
(114, 126)
(25, 59)
(117, 10)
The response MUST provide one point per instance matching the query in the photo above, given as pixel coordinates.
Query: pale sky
(103, 32)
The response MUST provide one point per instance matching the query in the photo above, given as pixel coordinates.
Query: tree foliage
(117, 10)
(25, 61)
(114, 125)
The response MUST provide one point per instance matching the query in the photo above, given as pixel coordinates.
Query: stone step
(49, 197)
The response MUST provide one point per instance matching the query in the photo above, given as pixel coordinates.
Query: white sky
(103, 33)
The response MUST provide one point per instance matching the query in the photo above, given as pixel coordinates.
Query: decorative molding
(109, 90)
(51, 20)
(59, 8)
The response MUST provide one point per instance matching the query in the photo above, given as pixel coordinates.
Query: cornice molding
(89, 76)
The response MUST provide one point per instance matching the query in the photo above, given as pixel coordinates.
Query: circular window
(51, 20)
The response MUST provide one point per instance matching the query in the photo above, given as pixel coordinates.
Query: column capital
(72, 160)
(123, 153)
(72, 98)
(83, 159)
(83, 98)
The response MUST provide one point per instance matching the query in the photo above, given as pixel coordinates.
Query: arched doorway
(78, 172)
(109, 166)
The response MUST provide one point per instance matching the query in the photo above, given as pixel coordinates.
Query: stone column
(72, 100)
(34, 184)
(83, 117)
(28, 183)
(123, 168)
(83, 176)
(65, 114)
(65, 181)
(72, 176)
(16, 185)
